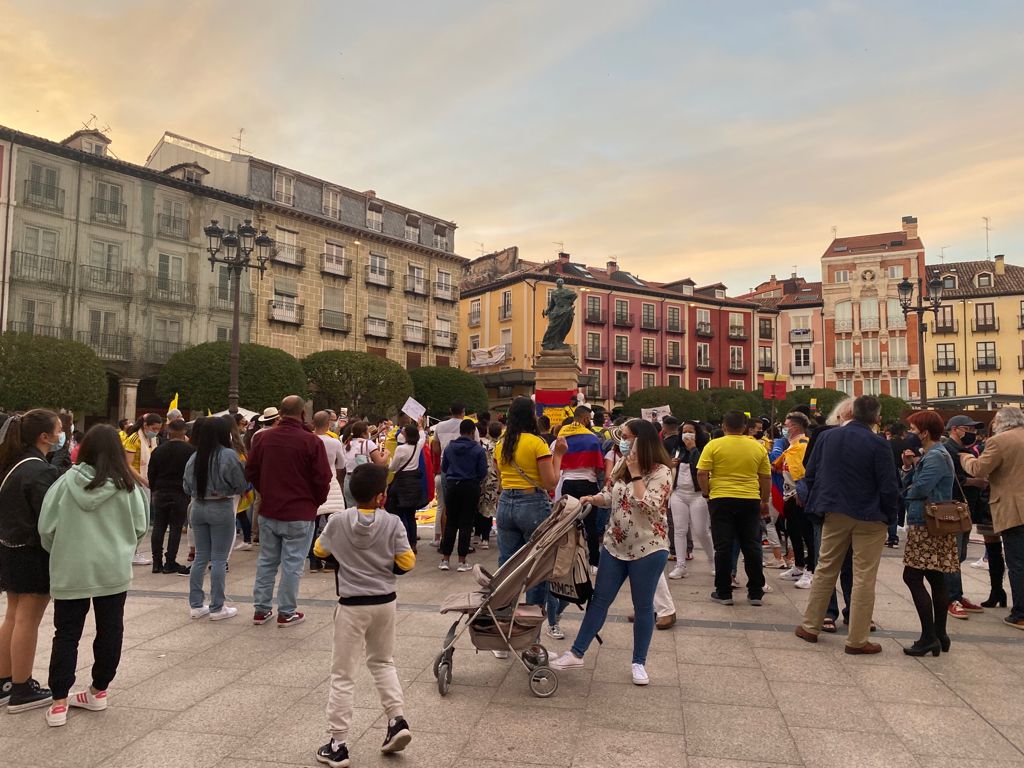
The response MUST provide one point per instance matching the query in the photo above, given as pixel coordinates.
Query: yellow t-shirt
(132, 444)
(529, 450)
(734, 461)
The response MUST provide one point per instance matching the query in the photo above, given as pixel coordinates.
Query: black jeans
(170, 509)
(578, 489)
(800, 530)
(461, 502)
(68, 622)
(739, 521)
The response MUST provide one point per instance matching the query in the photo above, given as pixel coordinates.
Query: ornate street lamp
(235, 250)
(930, 303)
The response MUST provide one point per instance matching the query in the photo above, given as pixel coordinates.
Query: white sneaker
(244, 545)
(555, 631)
(639, 675)
(226, 612)
(443, 566)
(767, 588)
(679, 572)
(500, 654)
(198, 613)
(793, 574)
(87, 700)
(463, 567)
(567, 660)
(485, 544)
(981, 563)
(141, 559)
(805, 581)
(57, 715)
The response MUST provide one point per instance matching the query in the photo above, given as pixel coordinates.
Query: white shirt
(404, 451)
(335, 451)
(360, 446)
(448, 430)
(335, 457)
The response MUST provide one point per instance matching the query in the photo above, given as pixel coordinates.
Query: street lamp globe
(246, 236)
(935, 291)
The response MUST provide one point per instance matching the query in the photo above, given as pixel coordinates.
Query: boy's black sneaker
(398, 736)
(181, 570)
(29, 695)
(721, 599)
(336, 758)
(5, 690)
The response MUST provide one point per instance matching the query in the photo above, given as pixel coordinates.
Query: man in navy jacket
(851, 482)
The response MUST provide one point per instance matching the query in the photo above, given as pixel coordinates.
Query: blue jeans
(518, 516)
(954, 581)
(284, 545)
(1013, 547)
(643, 575)
(213, 528)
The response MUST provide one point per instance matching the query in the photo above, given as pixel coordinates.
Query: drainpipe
(8, 219)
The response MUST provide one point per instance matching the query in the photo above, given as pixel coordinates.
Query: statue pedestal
(556, 369)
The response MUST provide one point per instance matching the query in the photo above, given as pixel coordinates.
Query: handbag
(945, 518)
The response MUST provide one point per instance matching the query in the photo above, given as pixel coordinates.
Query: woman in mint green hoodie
(92, 520)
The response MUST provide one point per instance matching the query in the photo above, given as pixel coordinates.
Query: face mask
(968, 438)
(758, 435)
(624, 446)
(63, 438)
(151, 435)
(785, 432)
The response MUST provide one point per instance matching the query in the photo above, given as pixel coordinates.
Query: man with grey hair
(851, 481)
(1002, 464)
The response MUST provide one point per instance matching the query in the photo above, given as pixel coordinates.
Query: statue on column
(559, 313)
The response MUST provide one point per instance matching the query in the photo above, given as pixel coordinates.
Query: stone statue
(560, 313)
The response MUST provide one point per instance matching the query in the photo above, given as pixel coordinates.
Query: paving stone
(173, 749)
(908, 683)
(724, 731)
(828, 706)
(724, 685)
(721, 651)
(603, 747)
(527, 734)
(822, 748)
(926, 731)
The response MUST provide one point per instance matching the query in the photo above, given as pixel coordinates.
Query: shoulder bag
(945, 518)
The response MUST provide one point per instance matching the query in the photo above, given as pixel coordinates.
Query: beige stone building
(350, 271)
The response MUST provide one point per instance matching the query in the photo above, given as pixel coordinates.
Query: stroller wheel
(444, 677)
(543, 682)
(437, 663)
(535, 656)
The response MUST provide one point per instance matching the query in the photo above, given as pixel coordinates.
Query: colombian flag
(584, 448)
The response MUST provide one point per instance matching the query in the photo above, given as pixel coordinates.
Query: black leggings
(69, 621)
(800, 530)
(931, 609)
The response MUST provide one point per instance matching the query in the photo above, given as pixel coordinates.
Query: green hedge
(41, 372)
(438, 387)
(366, 384)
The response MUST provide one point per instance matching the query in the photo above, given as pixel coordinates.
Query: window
(416, 280)
(704, 317)
(107, 205)
(474, 312)
(412, 228)
(703, 383)
(986, 387)
(169, 269)
(800, 322)
(675, 380)
(898, 386)
(735, 358)
(505, 308)
(944, 318)
(985, 316)
(284, 188)
(224, 283)
(845, 386)
(101, 324)
(736, 383)
(106, 257)
(872, 386)
(894, 271)
(673, 319)
(844, 317)
(36, 313)
(443, 331)
(506, 341)
(844, 352)
(444, 281)
(42, 187)
(223, 333)
(621, 385)
(375, 217)
(802, 357)
(286, 294)
(897, 350)
(192, 176)
(735, 319)
(894, 314)
(474, 342)
(41, 242)
(986, 352)
(688, 290)
(441, 237)
(648, 350)
(674, 355)
(703, 355)
(378, 265)
(764, 328)
(945, 356)
(765, 359)
(947, 389)
(622, 348)
(869, 314)
(593, 346)
(621, 312)
(949, 282)
(647, 316)
(594, 308)
(841, 276)
(165, 329)
(594, 390)
(870, 352)
(984, 281)
(648, 380)
(332, 202)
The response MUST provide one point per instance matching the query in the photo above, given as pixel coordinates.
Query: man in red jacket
(288, 467)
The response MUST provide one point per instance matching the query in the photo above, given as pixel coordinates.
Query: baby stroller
(494, 616)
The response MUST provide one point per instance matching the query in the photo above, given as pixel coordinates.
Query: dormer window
(375, 216)
(192, 176)
(284, 188)
(949, 282)
(441, 237)
(984, 279)
(719, 293)
(688, 290)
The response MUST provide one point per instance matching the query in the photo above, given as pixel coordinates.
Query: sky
(718, 141)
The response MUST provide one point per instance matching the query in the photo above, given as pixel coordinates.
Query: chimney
(370, 193)
(772, 279)
(563, 256)
(910, 227)
(613, 266)
(1000, 260)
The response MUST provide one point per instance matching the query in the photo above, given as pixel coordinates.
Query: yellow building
(975, 343)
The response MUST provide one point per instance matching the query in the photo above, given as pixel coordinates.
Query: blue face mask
(624, 446)
(60, 442)
(785, 432)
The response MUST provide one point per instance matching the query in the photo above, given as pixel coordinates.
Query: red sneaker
(262, 617)
(970, 607)
(287, 621)
(956, 610)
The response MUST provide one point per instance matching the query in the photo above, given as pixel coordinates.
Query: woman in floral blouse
(635, 543)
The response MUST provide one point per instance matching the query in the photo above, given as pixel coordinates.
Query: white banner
(413, 409)
(655, 414)
(484, 356)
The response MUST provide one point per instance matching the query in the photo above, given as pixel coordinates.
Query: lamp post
(929, 303)
(235, 249)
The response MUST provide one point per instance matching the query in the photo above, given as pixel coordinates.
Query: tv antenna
(942, 254)
(835, 231)
(90, 123)
(238, 140)
(988, 229)
(479, 247)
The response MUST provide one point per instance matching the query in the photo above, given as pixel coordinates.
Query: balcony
(675, 361)
(898, 323)
(649, 359)
(737, 332)
(705, 365)
(985, 325)
(844, 326)
(900, 363)
(801, 335)
(621, 393)
(53, 331)
(335, 265)
(594, 315)
(946, 327)
(674, 326)
(738, 368)
(871, 363)
(946, 365)
(414, 334)
(221, 301)
(596, 354)
(417, 286)
(596, 392)
(988, 364)
(474, 318)
(445, 292)
(766, 333)
(504, 312)
(843, 364)
(625, 356)
(172, 226)
(445, 339)
(704, 330)
(170, 291)
(108, 346)
(287, 312)
(101, 280)
(333, 320)
(869, 324)
(110, 212)
(160, 351)
(1020, 362)
(288, 255)
(802, 369)
(379, 278)
(765, 367)
(377, 328)
(49, 197)
(40, 269)
(624, 320)
(649, 323)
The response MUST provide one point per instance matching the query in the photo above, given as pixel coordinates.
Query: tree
(42, 372)
(685, 404)
(825, 400)
(366, 384)
(721, 400)
(438, 387)
(200, 375)
(893, 408)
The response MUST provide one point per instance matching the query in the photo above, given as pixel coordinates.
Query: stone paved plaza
(730, 687)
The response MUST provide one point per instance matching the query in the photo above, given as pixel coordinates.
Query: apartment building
(870, 348)
(349, 271)
(796, 320)
(976, 345)
(628, 333)
(113, 255)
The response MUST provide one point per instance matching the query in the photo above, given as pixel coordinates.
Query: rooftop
(1010, 283)
(882, 241)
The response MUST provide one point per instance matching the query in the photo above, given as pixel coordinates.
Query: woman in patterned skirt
(928, 478)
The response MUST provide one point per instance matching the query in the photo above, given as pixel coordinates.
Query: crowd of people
(816, 500)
